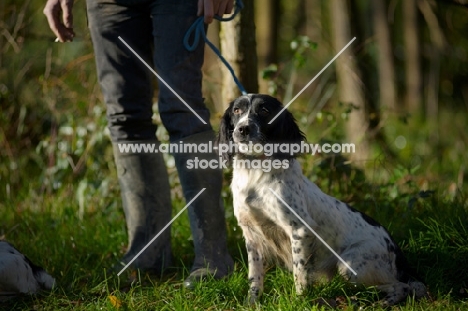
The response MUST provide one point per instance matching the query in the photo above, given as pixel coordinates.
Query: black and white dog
(18, 275)
(277, 209)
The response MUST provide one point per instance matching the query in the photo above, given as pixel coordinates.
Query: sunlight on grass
(80, 252)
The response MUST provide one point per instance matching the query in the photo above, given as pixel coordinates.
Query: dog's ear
(286, 130)
(290, 131)
(226, 128)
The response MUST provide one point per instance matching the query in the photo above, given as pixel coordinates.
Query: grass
(71, 223)
(79, 248)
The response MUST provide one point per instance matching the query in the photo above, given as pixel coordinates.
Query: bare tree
(438, 43)
(385, 57)
(412, 57)
(349, 83)
(313, 23)
(267, 19)
(238, 45)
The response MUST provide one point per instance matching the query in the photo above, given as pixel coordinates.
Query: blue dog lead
(198, 29)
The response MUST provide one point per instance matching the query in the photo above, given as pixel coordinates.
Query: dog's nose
(244, 130)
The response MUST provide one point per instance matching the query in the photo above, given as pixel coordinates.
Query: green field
(59, 196)
(78, 247)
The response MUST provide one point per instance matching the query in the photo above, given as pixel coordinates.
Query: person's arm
(210, 8)
(60, 18)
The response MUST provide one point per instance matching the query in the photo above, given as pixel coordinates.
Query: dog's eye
(237, 110)
(264, 111)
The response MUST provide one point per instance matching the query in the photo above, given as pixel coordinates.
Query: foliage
(56, 135)
(432, 232)
(300, 48)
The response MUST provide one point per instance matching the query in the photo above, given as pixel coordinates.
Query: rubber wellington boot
(146, 199)
(206, 213)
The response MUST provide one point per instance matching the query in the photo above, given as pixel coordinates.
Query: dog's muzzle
(246, 131)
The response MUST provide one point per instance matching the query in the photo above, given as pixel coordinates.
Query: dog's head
(245, 122)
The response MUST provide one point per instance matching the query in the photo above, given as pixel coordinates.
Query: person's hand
(60, 18)
(210, 8)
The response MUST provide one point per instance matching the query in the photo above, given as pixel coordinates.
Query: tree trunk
(238, 46)
(438, 43)
(385, 58)
(432, 84)
(313, 27)
(412, 57)
(349, 84)
(267, 20)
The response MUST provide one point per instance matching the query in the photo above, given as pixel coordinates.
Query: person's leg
(181, 69)
(127, 88)
(206, 213)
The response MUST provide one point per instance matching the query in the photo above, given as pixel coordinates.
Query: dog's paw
(250, 301)
(253, 296)
(301, 289)
(418, 289)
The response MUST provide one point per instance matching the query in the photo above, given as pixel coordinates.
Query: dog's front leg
(255, 262)
(301, 253)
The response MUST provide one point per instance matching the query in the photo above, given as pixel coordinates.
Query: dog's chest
(269, 199)
(254, 192)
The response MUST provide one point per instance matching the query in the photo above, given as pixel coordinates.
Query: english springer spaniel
(286, 217)
(18, 275)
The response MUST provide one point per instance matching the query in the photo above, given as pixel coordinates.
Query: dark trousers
(155, 30)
